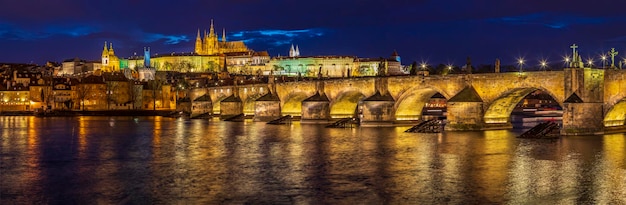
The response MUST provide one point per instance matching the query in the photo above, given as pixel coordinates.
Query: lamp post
(566, 59)
(603, 57)
(590, 63)
(543, 64)
(520, 62)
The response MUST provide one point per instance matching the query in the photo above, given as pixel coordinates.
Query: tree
(111, 95)
(212, 66)
(134, 92)
(156, 86)
(413, 69)
(82, 93)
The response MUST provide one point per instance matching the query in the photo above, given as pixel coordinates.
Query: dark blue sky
(435, 31)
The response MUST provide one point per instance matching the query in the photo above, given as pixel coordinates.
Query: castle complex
(211, 52)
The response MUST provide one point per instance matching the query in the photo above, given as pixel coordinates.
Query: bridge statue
(613, 53)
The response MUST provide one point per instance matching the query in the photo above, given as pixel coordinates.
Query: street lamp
(566, 59)
(603, 57)
(520, 62)
(543, 64)
(590, 62)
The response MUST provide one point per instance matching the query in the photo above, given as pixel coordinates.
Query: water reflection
(112, 160)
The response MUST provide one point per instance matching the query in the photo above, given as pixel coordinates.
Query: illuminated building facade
(110, 62)
(210, 45)
(333, 66)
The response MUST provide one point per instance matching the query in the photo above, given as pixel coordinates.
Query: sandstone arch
(344, 105)
(410, 104)
(616, 116)
(499, 110)
(292, 104)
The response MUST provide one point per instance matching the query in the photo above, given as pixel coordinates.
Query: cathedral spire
(211, 31)
(105, 51)
(297, 51)
(292, 52)
(198, 49)
(111, 49)
(223, 34)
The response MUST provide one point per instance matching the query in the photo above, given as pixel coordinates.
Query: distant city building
(333, 66)
(78, 66)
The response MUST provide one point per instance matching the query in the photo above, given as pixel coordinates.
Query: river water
(155, 160)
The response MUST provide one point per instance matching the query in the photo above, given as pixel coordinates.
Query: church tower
(111, 52)
(105, 55)
(395, 56)
(224, 35)
(292, 51)
(146, 55)
(198, 49)
(211, 43)
(297, 51)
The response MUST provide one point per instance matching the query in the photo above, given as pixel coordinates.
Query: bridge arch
(248, 103)
(292, 104)
(345, 104)
(410, 104)
(499, 111)
(216, 103)
(616, 116)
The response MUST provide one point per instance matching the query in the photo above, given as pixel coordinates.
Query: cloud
(549, 20)
(276, 37)
(169, 39)
(11, 32)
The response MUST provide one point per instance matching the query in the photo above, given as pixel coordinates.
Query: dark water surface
(153, 160)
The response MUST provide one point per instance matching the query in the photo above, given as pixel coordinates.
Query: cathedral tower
(105, 55)
(198, 49)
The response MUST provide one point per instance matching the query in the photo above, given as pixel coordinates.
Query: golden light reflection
(83, 126)
(495, 151)
(612, 180)
(33, 159)
(156, 133)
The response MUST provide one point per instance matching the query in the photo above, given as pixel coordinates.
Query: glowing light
(520, 62)
(603, 57)
(543, 63)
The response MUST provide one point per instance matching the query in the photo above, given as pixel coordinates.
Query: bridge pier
(583, 112)
(315, 109)
(230, 107)
(377, 111)
(582, 119)
(465, 111)
(267, 108)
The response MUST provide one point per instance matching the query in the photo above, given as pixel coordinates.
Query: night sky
(435, 31)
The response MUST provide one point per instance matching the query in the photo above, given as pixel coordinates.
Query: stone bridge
(593, 100)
